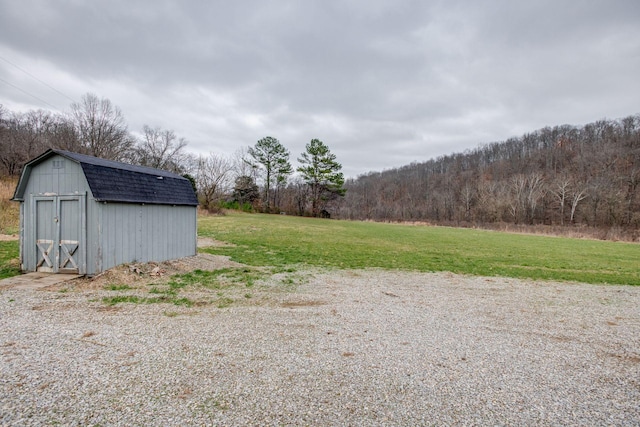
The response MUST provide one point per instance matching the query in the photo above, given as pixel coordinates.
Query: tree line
(94, 127)
(256, 178)
(562, 175)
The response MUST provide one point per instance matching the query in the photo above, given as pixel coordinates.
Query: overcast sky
(382, 83)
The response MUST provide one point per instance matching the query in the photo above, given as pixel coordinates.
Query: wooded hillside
(567, 175)
(563, 175)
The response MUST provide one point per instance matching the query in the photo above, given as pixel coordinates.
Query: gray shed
(81, 214)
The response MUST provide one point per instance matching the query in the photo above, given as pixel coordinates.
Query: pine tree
(274, 158)
(321, 172)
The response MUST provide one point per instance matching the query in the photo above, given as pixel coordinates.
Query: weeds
(122, 299)
(219, 280)
(183, 301)
(156, 289)
(134, 299)
(114, 287)
(225, 302)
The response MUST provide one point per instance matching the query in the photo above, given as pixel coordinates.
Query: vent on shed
(58, 164)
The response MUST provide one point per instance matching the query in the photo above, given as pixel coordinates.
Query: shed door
(45, 234)
(59, 221)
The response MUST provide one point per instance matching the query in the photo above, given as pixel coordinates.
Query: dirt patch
(141, 274)
(294, 304)
(207, 242)
(8, 237)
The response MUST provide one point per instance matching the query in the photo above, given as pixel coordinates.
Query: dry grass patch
(9, 211)
(208, 242)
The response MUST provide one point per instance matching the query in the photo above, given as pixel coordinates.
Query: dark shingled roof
(121, 182)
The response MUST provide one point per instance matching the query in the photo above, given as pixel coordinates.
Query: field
(271, 240)
(285, 241)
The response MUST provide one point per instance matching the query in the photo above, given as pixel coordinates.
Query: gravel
(357, 348)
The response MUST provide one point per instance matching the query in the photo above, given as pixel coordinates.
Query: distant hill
(588, 175)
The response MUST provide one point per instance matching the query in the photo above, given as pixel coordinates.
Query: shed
(81, 214)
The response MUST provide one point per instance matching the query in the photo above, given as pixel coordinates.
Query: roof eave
(141, 202)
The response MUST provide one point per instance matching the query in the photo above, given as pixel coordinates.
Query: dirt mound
(158, 272)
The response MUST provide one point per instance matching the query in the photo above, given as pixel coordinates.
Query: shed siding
(143, 233)
(66, 180)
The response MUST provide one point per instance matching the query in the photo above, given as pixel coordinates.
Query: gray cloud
(382, 83)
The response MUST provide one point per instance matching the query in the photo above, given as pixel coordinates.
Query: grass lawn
(277, 240)
(281, 241)
(9, 252)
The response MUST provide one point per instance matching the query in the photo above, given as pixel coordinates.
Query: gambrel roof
(112, 181)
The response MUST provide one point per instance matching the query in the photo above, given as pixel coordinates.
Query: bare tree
(517, 196)
(526, 191)
(567, 192)
(243, 165)
(213, 179)
(7, 155)
(633, 183)
(577, 195)
(160, 149)
(535, 191)
(101, 128)
(62, 134)
(488, 201)
(24, 136)
(467, 196)
(561, 193)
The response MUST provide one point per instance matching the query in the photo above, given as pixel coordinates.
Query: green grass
(243, 277)
(117, 287)
(134, 299)
(217, 279)
(9, 253)
(122, 299)
(284, 241)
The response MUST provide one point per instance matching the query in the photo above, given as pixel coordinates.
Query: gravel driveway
(357, 348)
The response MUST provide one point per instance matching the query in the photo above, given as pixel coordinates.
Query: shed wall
(143, 233)
(57, 175)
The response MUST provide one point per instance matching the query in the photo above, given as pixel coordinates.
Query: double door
(59, 234)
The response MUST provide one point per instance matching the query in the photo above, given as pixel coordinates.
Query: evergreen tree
(321, 172)
(274, 159)
(245, 190)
